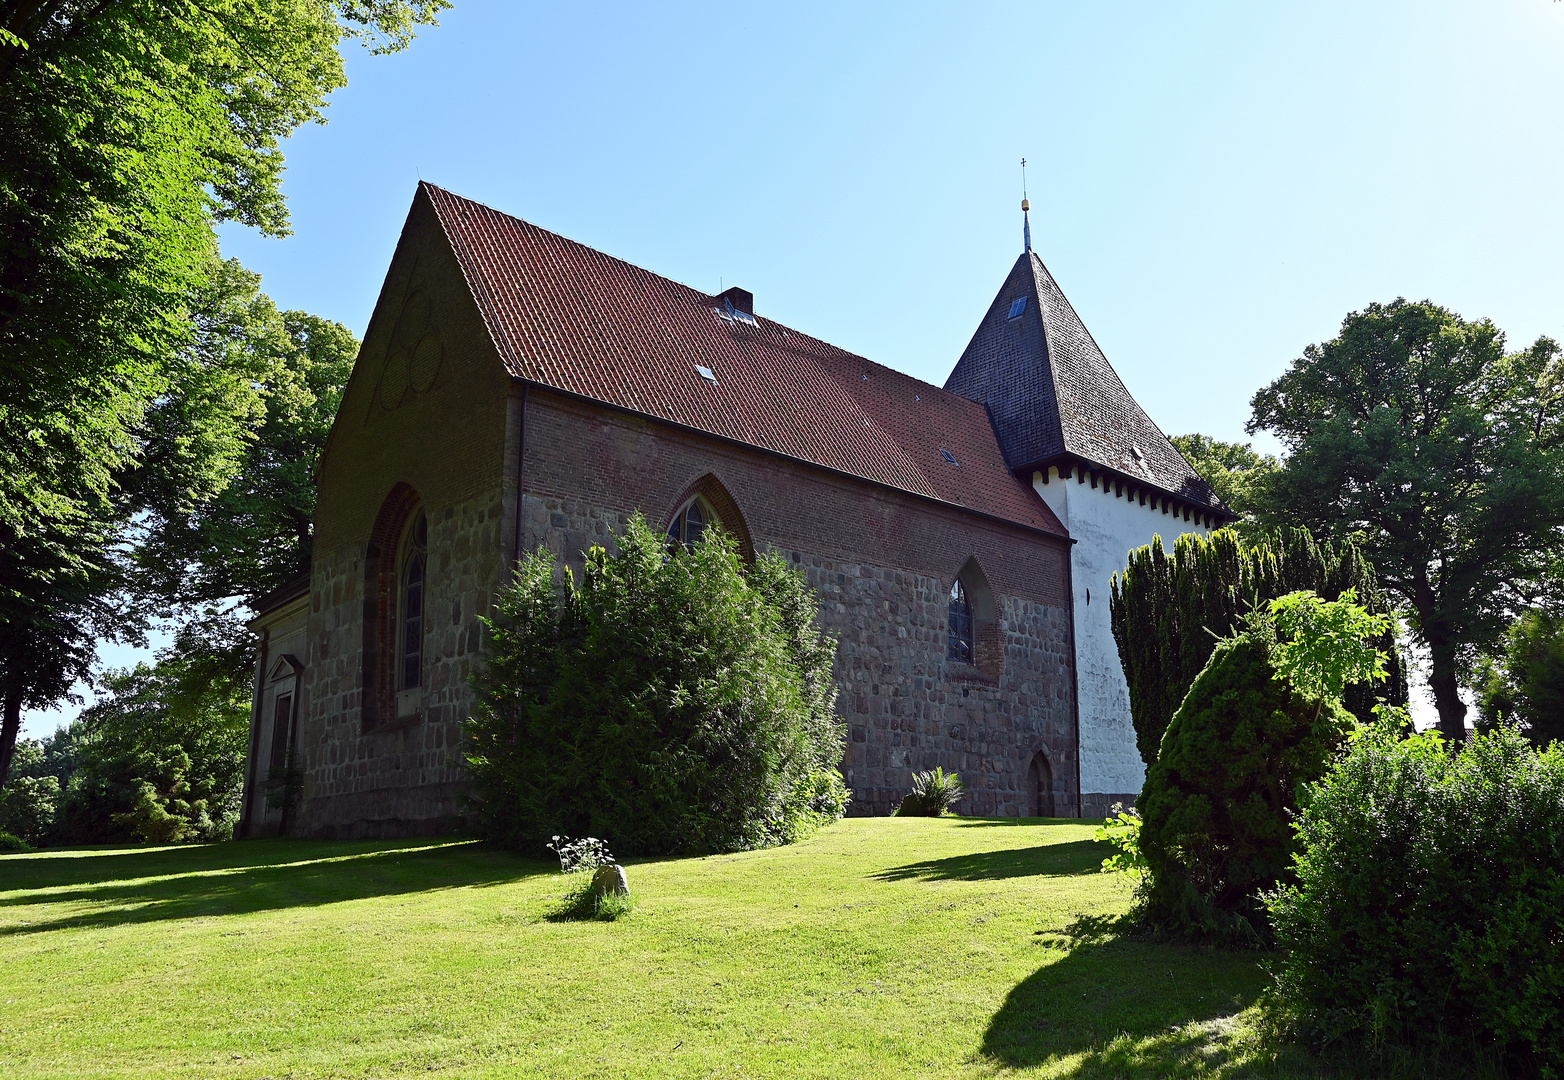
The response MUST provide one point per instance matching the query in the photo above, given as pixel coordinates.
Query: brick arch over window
(381, 592)
(987, 647)
(717, 497)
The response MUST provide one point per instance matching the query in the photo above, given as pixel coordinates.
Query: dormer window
(1017, 307)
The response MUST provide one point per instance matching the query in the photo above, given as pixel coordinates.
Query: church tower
(1066, 423)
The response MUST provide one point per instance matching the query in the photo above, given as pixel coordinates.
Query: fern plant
(934, 792)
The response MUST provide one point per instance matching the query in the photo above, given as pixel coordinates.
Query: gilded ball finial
(1025, 205)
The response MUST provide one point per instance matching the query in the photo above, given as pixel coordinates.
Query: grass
(883, 947)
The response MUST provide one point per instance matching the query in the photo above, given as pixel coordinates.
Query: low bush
(670, 702)
(9, 842)
(934, 793)
(1427, 898)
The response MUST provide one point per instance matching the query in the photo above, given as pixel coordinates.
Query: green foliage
(1427, 897)
(1235, 471)
(1169, 610)
(934, 793)
(1217, 803)
(1524, 686)
(161, 757)
(12, 843)
(28, 805)
(1122, 830)
(1326, 645)
(131, 130)
(1416, 432)
(667, 702)
(255, 534)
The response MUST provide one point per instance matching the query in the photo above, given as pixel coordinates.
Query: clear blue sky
(1214, 185)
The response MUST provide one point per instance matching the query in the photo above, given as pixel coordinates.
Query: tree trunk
(10, 725)
(1447, 693)
(1441, 653)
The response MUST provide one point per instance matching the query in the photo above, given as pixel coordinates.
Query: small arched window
(693, 519)
(414, 566)
(960, 624)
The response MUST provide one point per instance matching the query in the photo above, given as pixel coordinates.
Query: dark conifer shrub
(668, 702)
(1217, 804)
(1427, 901)
(1169, 609)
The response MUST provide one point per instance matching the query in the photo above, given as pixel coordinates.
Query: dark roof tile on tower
(565, 316)
(1054, 397)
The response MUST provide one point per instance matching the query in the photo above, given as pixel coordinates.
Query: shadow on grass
(1047, 860)
(136, 886)
(1132, 1008)
(1001, 822)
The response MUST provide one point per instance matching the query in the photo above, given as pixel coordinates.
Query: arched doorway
(1040, 787)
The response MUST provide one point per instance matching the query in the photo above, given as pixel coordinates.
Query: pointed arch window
(960, 625)
(693, 519)
(411, 630)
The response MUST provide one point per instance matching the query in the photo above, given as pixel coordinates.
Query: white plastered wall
(1106, 528)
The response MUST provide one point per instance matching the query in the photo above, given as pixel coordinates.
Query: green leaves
(1327, 645)
(1415, 432)
(1426, 899)
(1168, 611)
(668, 702)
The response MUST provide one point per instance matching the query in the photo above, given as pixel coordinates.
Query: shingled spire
(1055, 400)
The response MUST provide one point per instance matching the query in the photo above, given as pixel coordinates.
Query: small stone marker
(610, 879)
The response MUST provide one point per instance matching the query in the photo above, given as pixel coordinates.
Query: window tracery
(412, 607)
(960, 625)
(693, 519)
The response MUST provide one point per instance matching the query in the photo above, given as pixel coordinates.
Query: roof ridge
(694, 292)
(567, 316)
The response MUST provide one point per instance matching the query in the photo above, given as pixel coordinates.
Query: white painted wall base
(1106, 528)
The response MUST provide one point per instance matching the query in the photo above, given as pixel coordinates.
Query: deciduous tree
(1417, 432)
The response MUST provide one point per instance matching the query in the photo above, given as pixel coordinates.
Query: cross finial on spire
(1026, 219)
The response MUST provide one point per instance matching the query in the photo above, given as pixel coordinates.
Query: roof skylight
(1017, 306)
(948, 456)
(706, 373)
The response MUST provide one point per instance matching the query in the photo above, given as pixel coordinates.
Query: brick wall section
(452, 442)
(883, 563)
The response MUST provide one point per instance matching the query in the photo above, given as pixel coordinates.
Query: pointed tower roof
(1054, 398)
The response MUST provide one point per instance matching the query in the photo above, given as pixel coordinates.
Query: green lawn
(884, 947)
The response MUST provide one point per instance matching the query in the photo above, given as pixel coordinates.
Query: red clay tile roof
(566, 316)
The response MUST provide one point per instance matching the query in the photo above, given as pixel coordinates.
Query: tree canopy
(132, 128)
(1417, 432)
(1234, 471)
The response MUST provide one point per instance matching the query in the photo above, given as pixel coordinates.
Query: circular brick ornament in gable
(425, 365)
(413, 323)
(393, 380)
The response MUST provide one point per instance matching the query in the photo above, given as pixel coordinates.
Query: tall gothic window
(960, 624)
(693, 518)
(412, 628)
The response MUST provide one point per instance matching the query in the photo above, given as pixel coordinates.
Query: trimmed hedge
(1217, 806)
(1427, 899)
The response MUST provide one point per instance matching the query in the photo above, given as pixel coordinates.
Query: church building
(517, 391)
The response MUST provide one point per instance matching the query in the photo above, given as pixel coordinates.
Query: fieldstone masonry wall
(905, 706)
(403, 777)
